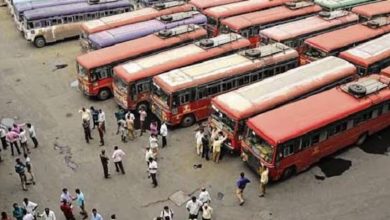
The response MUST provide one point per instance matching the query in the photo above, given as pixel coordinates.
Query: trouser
(83, 212)
(35, 141)
(25, 148)
(192, 216)
(199, 149)
(130, 133)
(142, 127)
(216, 155)
(70, 217)
(4, 143)
(14, 144)
(23, 180)
(104, 126)
(95, 124)
(100, 130)
(205, 153)
(87, 134)
(105, 170)
(262, 188)
(119, 166)
(164, 141)
(154, 179)
(240, 194)
(206, 218)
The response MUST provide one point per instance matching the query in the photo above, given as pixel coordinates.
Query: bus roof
(203, 4)
(219, 68)
(237, 8)
(370, 52)
(243, 21)
(24, 6)
(336, 4)
(301, 117)
(167, 60)
(136, 47)
(345, 37)
(71, 9)
(305, 26)
(282, 88)
(374, 9)
(386, 71)
(140, 29)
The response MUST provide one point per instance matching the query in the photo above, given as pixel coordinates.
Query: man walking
(101, 133)
(207, 212)
(67, 210)
(30, 207)
(153, 171)
(104, 159)
(164, 133)
(167, 213)
(65, 195)
(48, 215)
(20, 169)
(130, 127)
(87, 131)
(217, 144)
(23, 141)
(3, 132)
(102, 119)
(96, 215)
(198, 139)
(29, 168)
(204, 196)
(142, 119)
(206, 148)
(17, 212)
(95, 116)
(80, 201)
(193, 207)
(241, 184)
(12, 137)
(117, 157)
(33, 135)
(263, 171)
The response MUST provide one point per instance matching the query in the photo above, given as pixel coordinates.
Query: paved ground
(32, 90)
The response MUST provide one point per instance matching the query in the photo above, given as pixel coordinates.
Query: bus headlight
(240, 137)
(174, 111)
(32, 32)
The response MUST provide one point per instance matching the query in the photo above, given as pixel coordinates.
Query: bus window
(142, 86)
(214, 89)
(227, 85)
(184, 98)
(315, 138)
(202, 92)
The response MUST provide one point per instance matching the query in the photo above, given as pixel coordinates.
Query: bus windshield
(315, 53)
(161, 95)
(224, 119)
(121, 85)
(82, 71)
(259, 146)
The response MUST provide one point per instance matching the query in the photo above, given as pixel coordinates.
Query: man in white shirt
(102, 119)
(48, 215)
(207, 212)
(167, 213)
(198, 137)
(3, 132)
(117, 157)
(33, 134)
(85, 114)
(65, 195)
(130, 115)
(23, 141)
(164, 133)
(153, 171)
(193, 207)
(204, 196)
(29, 206)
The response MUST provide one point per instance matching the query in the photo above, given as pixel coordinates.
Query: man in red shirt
(67, 210)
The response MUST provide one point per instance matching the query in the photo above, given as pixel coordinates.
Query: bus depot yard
(301, 88)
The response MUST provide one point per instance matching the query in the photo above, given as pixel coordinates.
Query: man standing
(119, 115)
(193, 207)
(80, 201)
(102, 119)
(48, 215)
(167, 213)
(67, 210)
(95, 116)
(17, 212)
(130, 127)
(164, 133)
(33, 135)
(101, 133)
(20, 169)
(153, 171)
(204, 196)
(29, 168)
(30, 207)
(87, 131)
(217, 147)
(104, 160)
(198, 138)
(142, 119)
(263, 170)
(206, 148)
(3, 132)
(96, 215)
(241, 184)
(117, 157)
(65, 195)
(207, 212)
(23, 141)
(12, 137)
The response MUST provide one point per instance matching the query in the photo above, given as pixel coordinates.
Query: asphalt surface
(353, 184)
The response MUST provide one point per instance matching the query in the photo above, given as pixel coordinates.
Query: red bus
(95, 68)
(249, 25)
(216, 14)
(183, 96)
(370, 57)
(144, 14)
(133, 80)
(320, 46)
(370, 11)
(294, 33)
(386, 71)
(233, 109)
(201, 5)
(291, 138)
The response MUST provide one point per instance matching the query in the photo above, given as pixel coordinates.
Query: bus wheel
(187, 121)
(104, 94)
(143, 105)
(39, 42)
(289, 172)
(362, 139)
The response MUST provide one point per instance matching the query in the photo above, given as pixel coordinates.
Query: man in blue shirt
(80, 201)
(241, 184)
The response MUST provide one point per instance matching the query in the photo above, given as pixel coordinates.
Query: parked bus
(12, 3)
(370, 11)
(133, 80)
(95, 68)
(216, 14)
(20, 8)
(51, 24)
(249, 25)
(230, 111)
(201, 5)
(183, 96)
(294, 33)
(133, 31)
(320, 46)
(370, 57)
(332, 5)
(140, 15)
(291, 138)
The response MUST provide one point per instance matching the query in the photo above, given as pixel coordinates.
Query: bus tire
(288, 172)
(144, 105)
(362, 139)
(39, 42)
(104, 94)
(187, 120)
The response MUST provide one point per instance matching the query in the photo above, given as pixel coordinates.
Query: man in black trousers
(104, 160)
(87, 131)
